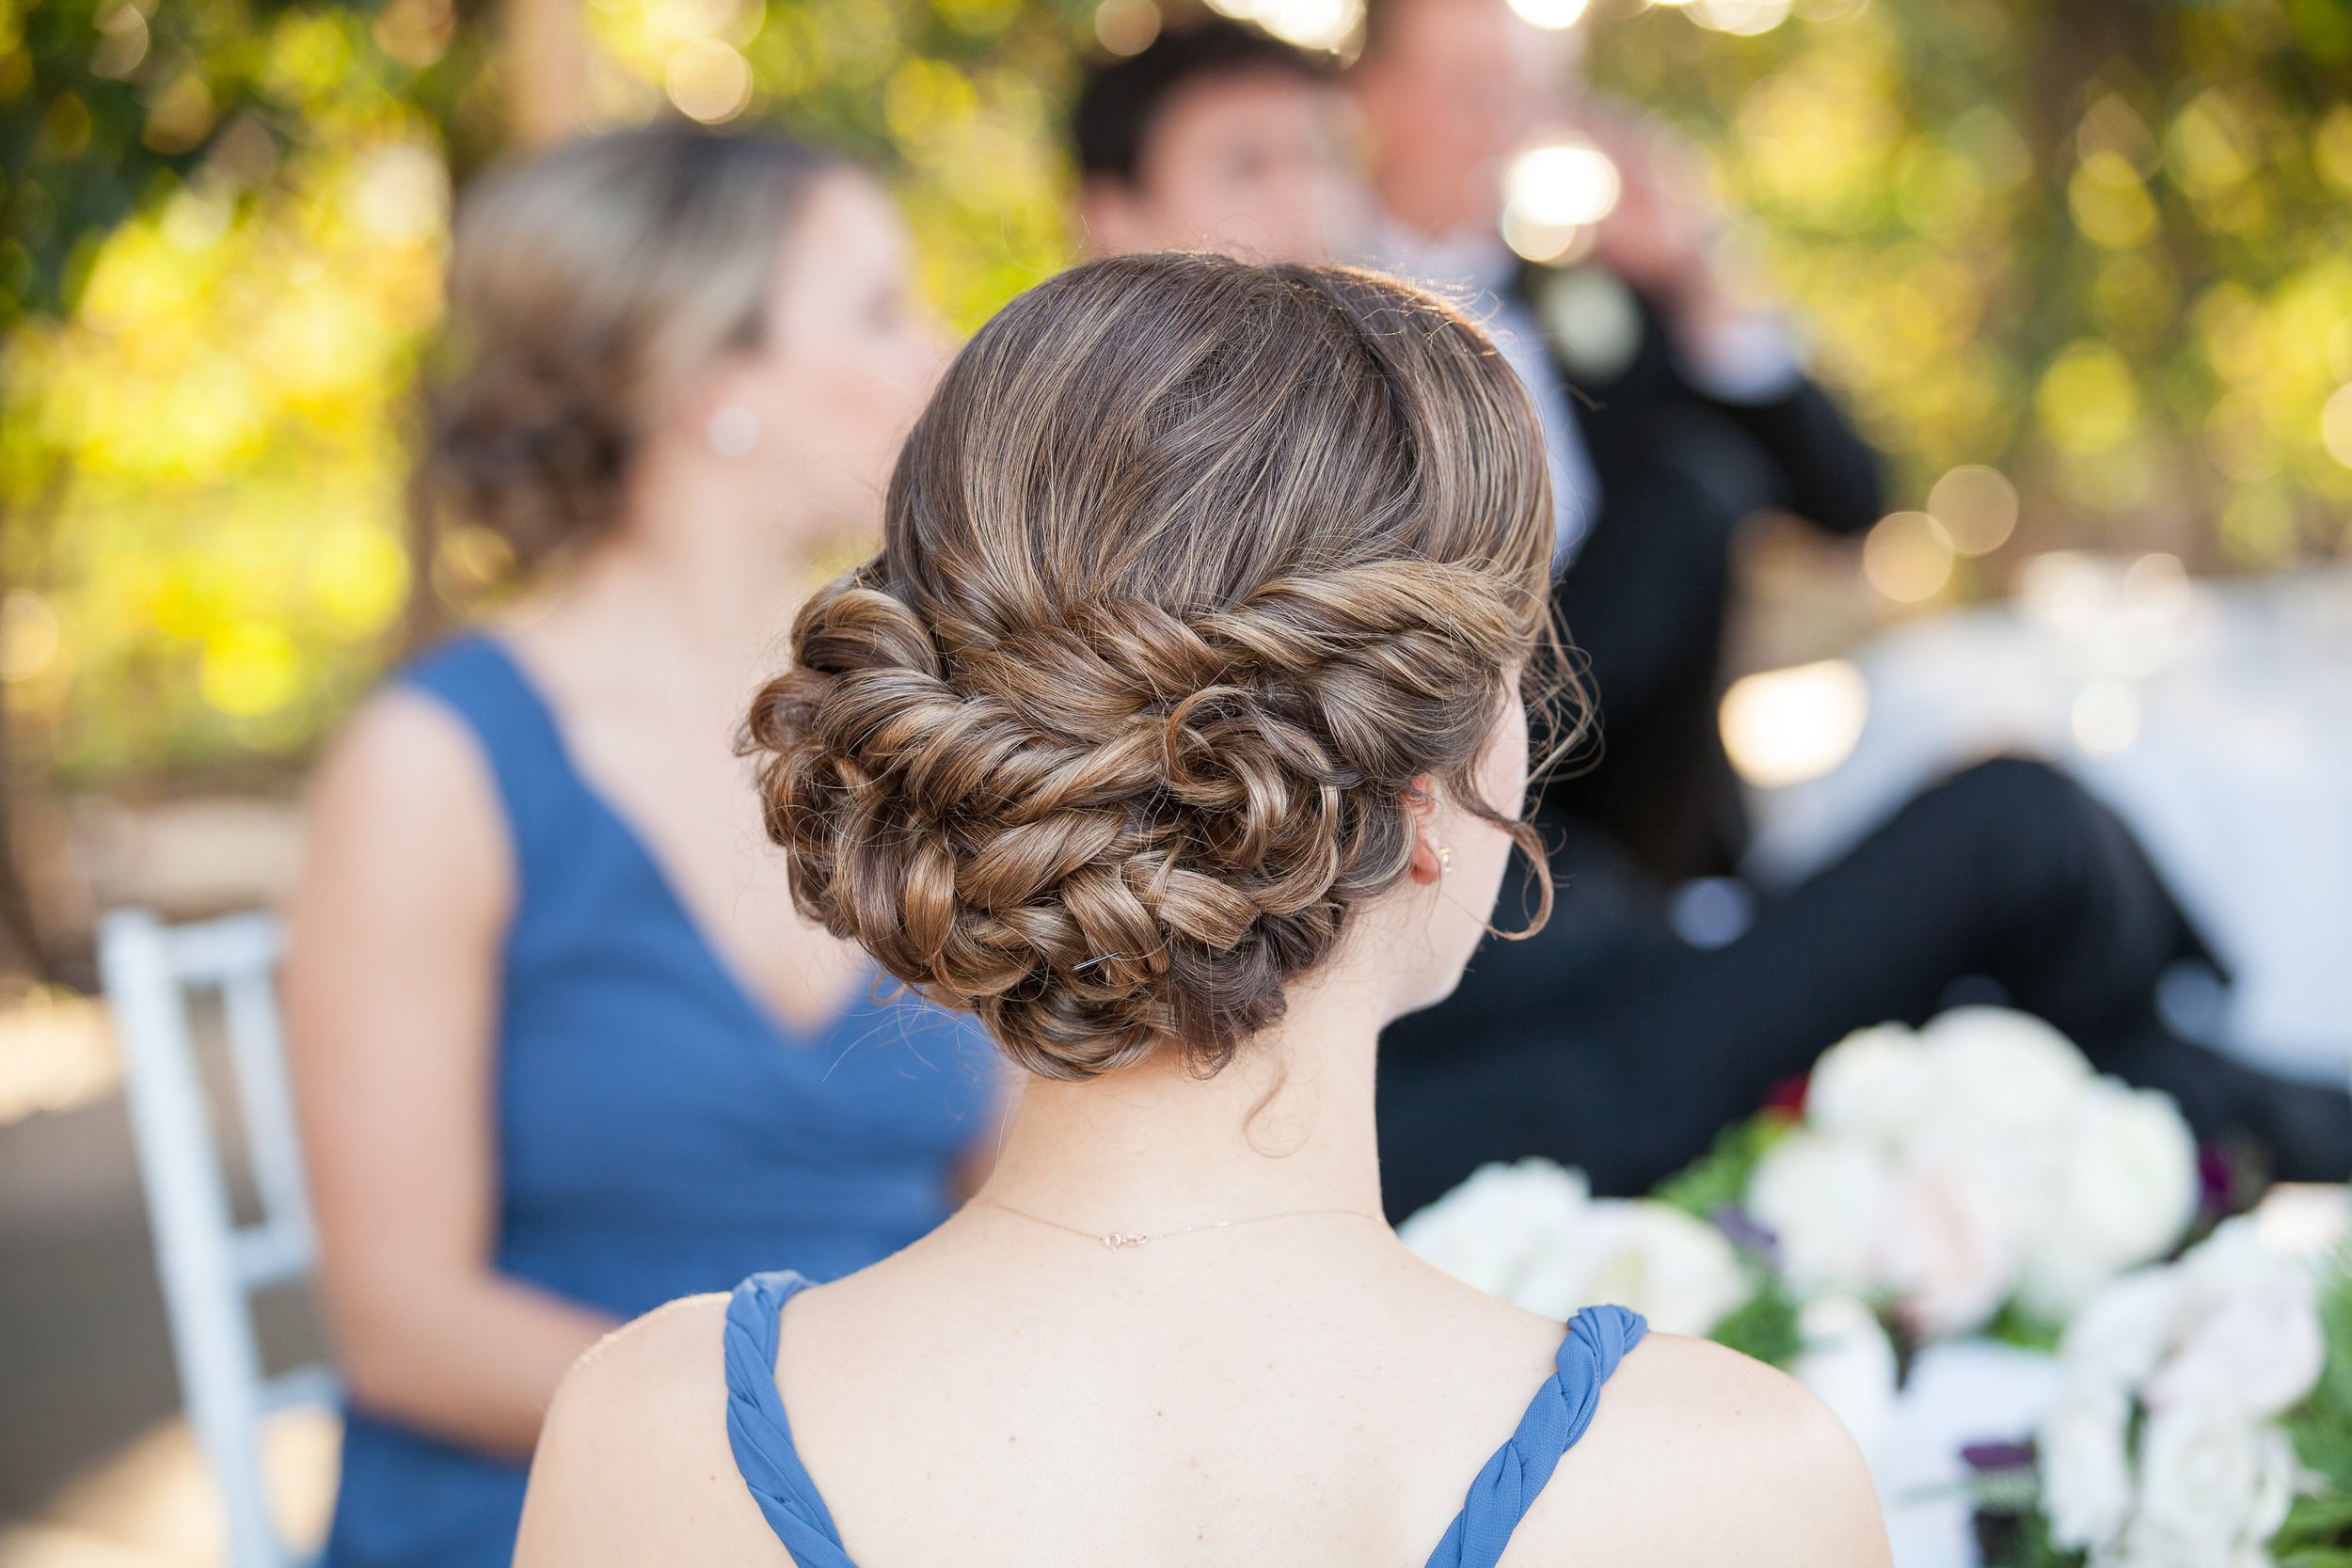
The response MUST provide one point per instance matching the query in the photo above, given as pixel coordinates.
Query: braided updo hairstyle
(1191, 568)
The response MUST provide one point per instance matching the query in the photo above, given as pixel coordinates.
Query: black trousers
(1605, 1042)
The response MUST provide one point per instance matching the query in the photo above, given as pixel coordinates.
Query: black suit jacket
(1645, 602)
(1647, 597)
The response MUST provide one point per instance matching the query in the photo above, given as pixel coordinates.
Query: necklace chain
(1120, 1241)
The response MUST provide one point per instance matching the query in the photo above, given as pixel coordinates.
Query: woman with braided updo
(1179, 733)
(565, 1050)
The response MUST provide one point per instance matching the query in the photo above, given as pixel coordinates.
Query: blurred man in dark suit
(1674, 409)
(1611, 1041)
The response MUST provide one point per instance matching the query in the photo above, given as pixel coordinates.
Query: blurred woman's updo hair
(1190, 569)
(586, 289)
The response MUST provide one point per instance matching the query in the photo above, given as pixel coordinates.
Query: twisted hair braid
(1192, 569)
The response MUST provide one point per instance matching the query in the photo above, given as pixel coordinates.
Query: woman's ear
(1427, 865)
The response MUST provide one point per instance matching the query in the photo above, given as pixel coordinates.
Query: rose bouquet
(2202, 1418)
(1533, 1234)
(1971, 1171)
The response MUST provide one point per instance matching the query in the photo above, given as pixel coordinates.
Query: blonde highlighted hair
(586, 287)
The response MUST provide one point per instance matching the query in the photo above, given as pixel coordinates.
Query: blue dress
(1598, 1337)
(657, 1133)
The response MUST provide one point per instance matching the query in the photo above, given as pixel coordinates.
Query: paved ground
(86, 1382)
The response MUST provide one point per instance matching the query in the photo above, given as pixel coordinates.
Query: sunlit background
(2082, 270)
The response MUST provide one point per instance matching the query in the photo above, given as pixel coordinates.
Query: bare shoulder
(404, 800)
(406, 867)
(399, 744)
(633, 1465)
(1699, 1455)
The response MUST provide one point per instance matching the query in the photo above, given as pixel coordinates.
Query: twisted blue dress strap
(760, 1436)
(1599, 1339)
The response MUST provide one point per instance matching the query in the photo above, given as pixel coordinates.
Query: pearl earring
(733, 430)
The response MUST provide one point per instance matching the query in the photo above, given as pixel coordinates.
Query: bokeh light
(1978, 507)
(2065, 591)
(2335, 424)
(709, 81)
(2109, 203)
(1553, 14)
(1554, 192)
(1744, 17)
(1908, 557)
(1308, 24)
(2089, 400)
(2105, 717)
(29, 636)
(1785, 726)
(2101, 283)
(1126, 26)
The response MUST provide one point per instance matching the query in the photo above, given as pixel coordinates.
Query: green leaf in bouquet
(2321, 1427)
(1718, 1179)
(2318, 1532)
(2015, 1326)
(2310, 1557)
(2022, 1540)
(1764, 1325)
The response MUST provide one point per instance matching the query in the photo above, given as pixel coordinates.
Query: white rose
(2262, 1352)
(2119, 1189)
(1821, 1197)
(1680, 1273)
(2213, 1482)
(1500, 1224)
(2086, 1467)
(2248, 1328)
(1848, 1362)
(1947, 1242)
(2127, 1329)
(1873, 1084)
(2001, 1071)
(2235, 1261)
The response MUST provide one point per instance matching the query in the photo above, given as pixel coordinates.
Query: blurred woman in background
(565, 1050)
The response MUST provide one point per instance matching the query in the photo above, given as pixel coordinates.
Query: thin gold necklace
(1120, 1241)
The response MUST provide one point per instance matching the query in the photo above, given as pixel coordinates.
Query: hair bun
(1108, 797)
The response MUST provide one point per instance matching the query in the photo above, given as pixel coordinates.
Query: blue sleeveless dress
(659, 1136)
(1598, 1337)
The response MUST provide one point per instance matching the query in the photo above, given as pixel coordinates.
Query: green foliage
(2100, 246)
(2318, 1532)
(199, 464)
(2015, 1326)
(2022, 1540)
(1764, 1325)
(1713, 1189)
(1717, 1181)
(201, 467)
(2104, 246)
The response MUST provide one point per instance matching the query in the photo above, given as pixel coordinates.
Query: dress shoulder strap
(758, 1431)
(1599, 1339)
(476, 679)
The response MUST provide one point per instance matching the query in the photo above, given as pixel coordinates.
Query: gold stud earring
(1445, 859)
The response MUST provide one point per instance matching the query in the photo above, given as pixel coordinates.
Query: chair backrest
(211, 1266)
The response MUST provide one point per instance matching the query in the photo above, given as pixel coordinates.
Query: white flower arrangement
(1975, 1163)
(2167, 1444)
(1974, 1175)
(1533, 1234)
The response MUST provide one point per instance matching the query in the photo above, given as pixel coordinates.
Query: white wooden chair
(211, 1266)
